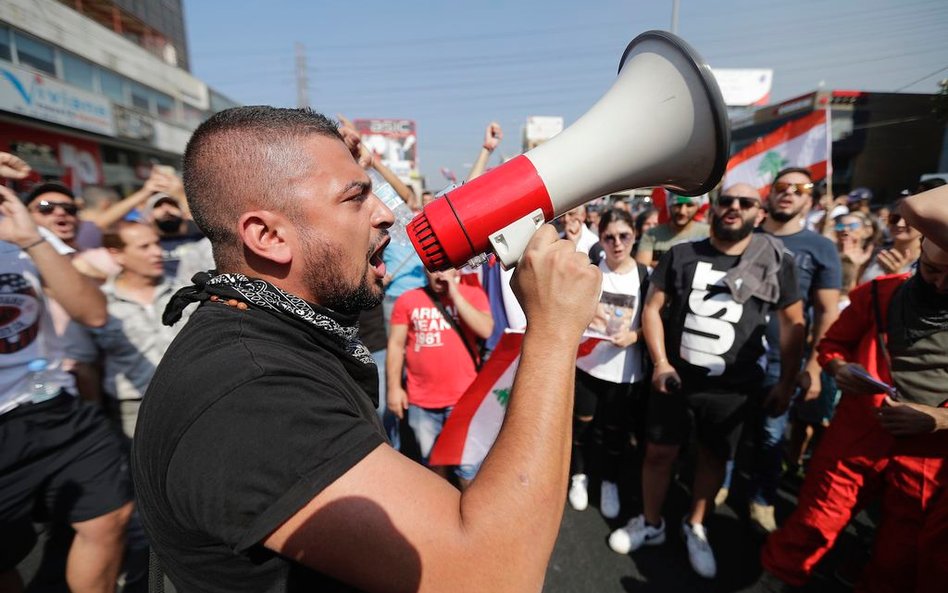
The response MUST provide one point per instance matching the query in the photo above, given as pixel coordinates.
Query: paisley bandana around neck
(266, 296)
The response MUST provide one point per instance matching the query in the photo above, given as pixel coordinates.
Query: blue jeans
(427, 424)
(388, 420)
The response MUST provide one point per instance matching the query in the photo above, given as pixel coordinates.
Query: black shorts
(716, 416)
(61, 461)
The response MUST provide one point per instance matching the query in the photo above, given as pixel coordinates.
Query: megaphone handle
(510, 242)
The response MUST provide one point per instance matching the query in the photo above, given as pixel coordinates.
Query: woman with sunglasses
(607, 378)
(851, 240)
(899, 259)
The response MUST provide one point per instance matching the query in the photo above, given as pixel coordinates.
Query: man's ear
(761, 215)
(267, 234)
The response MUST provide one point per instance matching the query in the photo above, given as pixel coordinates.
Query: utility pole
(302, 79)
(675, 4)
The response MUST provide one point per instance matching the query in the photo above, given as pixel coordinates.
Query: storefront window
(113, 86)
(5, 51)
(140, 96)
(165, 105)
(78, 71)
(35, 53)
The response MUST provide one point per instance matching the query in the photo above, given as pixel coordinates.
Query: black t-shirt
(711, 340)
(249, 415)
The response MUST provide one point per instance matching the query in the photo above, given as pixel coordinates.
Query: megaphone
(663, 122)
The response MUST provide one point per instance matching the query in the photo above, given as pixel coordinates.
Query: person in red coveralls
(433, 337)
(895, 331)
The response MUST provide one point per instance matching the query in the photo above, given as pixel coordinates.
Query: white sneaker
(609, 500)
(699, 550)
(578, 496)
(635, 535)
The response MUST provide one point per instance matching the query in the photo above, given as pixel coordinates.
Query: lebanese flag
(470, 430)
(803, 142)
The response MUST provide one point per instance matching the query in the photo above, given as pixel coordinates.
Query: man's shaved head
(242, 159)
(741, 190)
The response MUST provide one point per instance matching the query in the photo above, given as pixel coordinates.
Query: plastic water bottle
(40, 389)
(400, 209)
(614, 325)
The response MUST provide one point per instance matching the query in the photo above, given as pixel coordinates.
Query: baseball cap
(46, 187)
(157, 198)
(859, 194)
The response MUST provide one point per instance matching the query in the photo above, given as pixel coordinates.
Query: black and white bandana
(261, 293)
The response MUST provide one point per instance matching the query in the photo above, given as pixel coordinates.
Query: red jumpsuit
(858, 460)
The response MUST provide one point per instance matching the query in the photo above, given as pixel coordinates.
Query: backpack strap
(454, 324)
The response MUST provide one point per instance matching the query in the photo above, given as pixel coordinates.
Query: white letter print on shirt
(708, 331)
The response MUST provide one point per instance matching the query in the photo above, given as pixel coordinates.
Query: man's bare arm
(480, 322)
(655, 339)
(492, 137)
(389, 524)
(78, 295)
(928, 212)
(825, 312)
(396, 398)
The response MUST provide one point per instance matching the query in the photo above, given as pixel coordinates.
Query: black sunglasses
(47, 207)
(745, 203)
(619, 238)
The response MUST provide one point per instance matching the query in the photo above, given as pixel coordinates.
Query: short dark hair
(47, 187)
(615, 215)
(112, 236)
(243, 157)
(788, 170)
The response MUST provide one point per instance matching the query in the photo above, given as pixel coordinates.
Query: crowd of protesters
(737, 318)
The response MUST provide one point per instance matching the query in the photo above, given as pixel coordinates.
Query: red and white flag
(470, 430)
(803, 142)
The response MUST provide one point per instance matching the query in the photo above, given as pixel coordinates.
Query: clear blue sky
(453, 66)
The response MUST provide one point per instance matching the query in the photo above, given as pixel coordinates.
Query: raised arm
(492, 137)
(480, 322)
(415, 531)
(78, 295)
(928, 212)
(367, 158)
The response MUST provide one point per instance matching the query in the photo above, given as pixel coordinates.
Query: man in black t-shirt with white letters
(704, 319)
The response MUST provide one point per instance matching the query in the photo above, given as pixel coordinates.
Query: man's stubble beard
(326, 278)
(785, 216)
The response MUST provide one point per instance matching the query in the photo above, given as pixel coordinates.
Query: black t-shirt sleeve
(262, 452)
(663, 276)
(789, 287)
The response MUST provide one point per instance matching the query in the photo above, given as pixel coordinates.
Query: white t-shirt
(26, 330)
(515, 316)
(619, 306)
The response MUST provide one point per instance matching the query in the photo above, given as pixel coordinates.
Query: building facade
(95, 92)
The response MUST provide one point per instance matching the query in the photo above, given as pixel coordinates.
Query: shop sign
(35, 95)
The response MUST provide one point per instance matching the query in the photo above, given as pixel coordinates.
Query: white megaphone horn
(663, 122)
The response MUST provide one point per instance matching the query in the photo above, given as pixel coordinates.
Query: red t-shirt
(438, 366)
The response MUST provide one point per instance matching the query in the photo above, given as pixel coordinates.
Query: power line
(914, 82)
